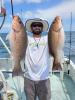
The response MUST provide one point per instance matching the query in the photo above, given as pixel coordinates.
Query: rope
(2, 22)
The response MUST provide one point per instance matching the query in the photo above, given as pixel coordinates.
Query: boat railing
(6, 47)
(6, 65)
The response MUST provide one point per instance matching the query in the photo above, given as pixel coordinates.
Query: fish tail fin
(56, 64)
(17, 69)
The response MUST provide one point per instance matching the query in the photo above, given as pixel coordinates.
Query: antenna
(70, 38)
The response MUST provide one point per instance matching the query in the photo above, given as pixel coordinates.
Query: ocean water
(67, 50)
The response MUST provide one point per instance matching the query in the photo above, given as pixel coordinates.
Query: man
(37, 61)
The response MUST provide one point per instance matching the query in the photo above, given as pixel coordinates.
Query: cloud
(15, 1)
(28, 14)
(64, 9)
(27, 1)
(33, 1)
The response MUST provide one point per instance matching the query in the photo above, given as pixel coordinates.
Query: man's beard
(37, 33)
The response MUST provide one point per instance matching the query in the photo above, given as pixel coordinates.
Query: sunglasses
(35, 25)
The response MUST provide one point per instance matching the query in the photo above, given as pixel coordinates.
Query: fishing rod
(12, 8)
(70, 38)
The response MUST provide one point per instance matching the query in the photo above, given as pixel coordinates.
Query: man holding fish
(36, 49)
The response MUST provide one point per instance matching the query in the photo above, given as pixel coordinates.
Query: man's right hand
(16, 71)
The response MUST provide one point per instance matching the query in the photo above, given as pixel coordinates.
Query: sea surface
(69, 48)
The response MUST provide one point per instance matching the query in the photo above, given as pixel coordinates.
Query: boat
(62, 82)
(12, 88)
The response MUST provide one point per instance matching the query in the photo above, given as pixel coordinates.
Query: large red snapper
(56, 41)
(18, 43)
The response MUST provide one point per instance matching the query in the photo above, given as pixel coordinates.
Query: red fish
(18, 43)
(56, 42)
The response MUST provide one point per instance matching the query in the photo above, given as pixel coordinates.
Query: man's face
(37, 27)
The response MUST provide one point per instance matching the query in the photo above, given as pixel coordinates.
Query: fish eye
(53, 22)
(20, 21)
(14, 30)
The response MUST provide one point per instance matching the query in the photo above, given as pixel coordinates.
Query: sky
(44, 9)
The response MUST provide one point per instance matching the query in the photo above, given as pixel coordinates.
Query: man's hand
(16, 71)
(57, 67)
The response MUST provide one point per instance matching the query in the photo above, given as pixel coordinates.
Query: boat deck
(60, 89)
(70, 86)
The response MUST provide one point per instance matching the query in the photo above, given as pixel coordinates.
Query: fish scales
(56, 41)
(18, 43)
